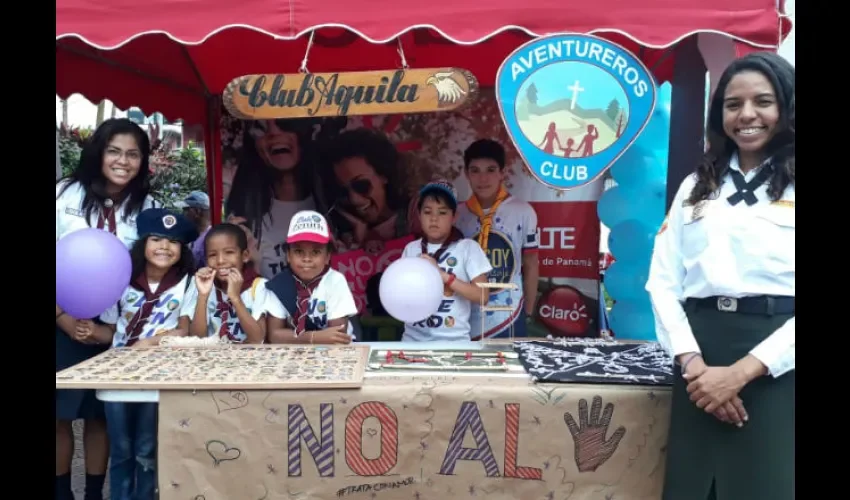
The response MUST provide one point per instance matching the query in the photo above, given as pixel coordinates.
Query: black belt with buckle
(763, 304)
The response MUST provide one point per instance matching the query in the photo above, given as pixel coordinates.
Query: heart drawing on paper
(220, 452)
(572, 105)
(231, 400)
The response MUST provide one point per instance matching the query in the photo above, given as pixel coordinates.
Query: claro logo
(564, 312)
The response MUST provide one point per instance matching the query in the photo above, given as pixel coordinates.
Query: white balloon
(411, 289)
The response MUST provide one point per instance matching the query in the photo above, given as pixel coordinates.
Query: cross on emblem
(576, 88)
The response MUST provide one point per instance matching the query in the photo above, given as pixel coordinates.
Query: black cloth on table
(596, 362)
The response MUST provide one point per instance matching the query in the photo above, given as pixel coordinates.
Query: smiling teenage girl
(722, 284)
(107, 190)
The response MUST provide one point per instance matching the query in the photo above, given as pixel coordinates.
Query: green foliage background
(175, 174)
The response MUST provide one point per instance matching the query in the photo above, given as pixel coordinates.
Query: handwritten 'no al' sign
(572, 105)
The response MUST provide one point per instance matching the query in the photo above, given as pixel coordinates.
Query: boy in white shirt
(461, 262)
(308, 301)
(506, 229)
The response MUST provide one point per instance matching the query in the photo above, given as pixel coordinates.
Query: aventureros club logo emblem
(572, 105)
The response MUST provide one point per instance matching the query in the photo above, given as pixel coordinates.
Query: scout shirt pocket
(775, 231)
(695, 229)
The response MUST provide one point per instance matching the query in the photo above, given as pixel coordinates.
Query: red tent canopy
(167, 56)
(173, 57)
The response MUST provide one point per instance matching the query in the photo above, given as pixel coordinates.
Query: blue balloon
(631, 241)
(613, 207)
(665, 99)
(656, 134)
(632, 320)
(662, 155)
(638, 166)
(646, 202)
(626, 280)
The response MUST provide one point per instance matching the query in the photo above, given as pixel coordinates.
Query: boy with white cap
(313, 302)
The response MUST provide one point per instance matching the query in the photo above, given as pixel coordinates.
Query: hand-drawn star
(174, 484)
(184, 422)
(404, 407)
(651, 395)
(472, 490)
(546, 465)
(271, 469)
(343, 400)
(537, 420)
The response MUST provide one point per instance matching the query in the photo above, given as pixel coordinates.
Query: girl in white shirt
(152, 307)
(722, 284)
(227, 298)
(107, 190)
(461, 262)
(309, 302)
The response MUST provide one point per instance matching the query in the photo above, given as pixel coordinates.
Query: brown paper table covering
(416, 437)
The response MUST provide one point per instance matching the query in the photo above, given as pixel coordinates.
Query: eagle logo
(448, 91)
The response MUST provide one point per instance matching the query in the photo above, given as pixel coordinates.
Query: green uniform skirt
(709, 459)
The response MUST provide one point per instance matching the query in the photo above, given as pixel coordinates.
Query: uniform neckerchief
(486, 220)
(744, 189)
(141, 283)
(454, 236)
(223, 305)
(304, 291)
(107, 214)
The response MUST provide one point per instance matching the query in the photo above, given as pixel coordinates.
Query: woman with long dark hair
(363, 175)
(275, 180)
(722, 285)
(107, 190)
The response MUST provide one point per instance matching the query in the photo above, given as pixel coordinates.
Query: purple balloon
(93, 268)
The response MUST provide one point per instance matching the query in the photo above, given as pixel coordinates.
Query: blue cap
(196, 199)
(161, 222)
(440, 185)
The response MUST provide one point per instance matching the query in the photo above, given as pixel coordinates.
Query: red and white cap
(308, 225)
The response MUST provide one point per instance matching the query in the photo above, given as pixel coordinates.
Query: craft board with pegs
(502, 360)
(228, 366)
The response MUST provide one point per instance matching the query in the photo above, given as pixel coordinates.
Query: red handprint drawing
(592, 449)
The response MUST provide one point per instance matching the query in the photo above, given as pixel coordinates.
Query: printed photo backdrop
(431, 146)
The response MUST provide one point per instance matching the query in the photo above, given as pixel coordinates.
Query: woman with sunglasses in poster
(275, 180)
(364, 179)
